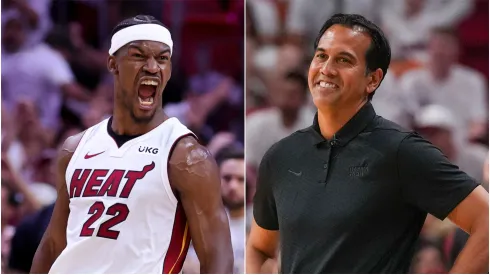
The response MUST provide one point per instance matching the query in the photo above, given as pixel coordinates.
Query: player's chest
(102, 169)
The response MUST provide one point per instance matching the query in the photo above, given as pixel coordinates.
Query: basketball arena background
(55, 84)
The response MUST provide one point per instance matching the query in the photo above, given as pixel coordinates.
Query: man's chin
(142, 118)
(234, 205)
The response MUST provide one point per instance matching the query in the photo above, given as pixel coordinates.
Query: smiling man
(135, 188)
(350, 193)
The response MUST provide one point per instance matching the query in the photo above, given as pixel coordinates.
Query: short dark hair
(230, 152)
(378, 54)
(133, 21)
(136, 20)
(299, 78)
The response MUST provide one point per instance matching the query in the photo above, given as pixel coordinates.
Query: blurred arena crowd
(55, 84)
(437, 84)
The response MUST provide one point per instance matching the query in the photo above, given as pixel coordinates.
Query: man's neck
(331, 120)
(123, 123)
(237, 213)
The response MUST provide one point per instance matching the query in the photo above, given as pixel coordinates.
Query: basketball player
(134, 189)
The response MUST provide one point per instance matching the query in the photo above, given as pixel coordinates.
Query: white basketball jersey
(124, 216)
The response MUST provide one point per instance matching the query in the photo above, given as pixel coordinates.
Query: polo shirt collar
(350, 130)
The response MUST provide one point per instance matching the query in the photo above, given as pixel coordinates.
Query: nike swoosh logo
(296, 174)
(87, 156)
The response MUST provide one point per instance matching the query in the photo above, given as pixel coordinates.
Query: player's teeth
(149, 82)
(147, 101)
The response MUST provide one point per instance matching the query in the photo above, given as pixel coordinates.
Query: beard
(233, 204)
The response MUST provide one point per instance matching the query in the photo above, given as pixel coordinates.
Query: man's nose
(151, 66)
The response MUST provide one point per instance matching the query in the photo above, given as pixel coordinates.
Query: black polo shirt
(356, 203)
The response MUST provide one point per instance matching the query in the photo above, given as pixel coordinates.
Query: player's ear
(374, 80)
(112, 65)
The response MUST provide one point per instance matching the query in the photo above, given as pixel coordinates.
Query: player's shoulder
(190, 163)
(71, 143)
(188, 151)
(386, 126)
(385, 134)
(67, 149)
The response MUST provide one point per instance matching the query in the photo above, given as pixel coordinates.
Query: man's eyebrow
(348, 54)
(344, 53)
(134, 46)
(164, 51)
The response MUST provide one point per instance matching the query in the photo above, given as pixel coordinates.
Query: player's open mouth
(146, 93)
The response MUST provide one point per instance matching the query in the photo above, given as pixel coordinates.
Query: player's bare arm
(54, 239)
(471, 215)
(194, 174)
(261, 246)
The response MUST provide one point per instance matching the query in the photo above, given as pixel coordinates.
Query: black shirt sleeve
(429, 181)
(264, 207)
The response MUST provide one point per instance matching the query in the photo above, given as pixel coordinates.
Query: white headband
(150, 32)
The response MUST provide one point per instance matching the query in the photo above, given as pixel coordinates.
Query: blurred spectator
(19, 188)
(267, 29)
(428, 259)
(388, 101)
(27, 238)
(437, 124)
(76, 96)
(288, 114)
(11, 146)
(460, 89)
(36, 14)
(194, 110)
(304, 19)
(13, 34)
(408, 23)
(31, 76)
(232, 168)
(9, 204)
(232, 171)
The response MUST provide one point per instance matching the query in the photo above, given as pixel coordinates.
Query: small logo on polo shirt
(296, 173)
(358, 171)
